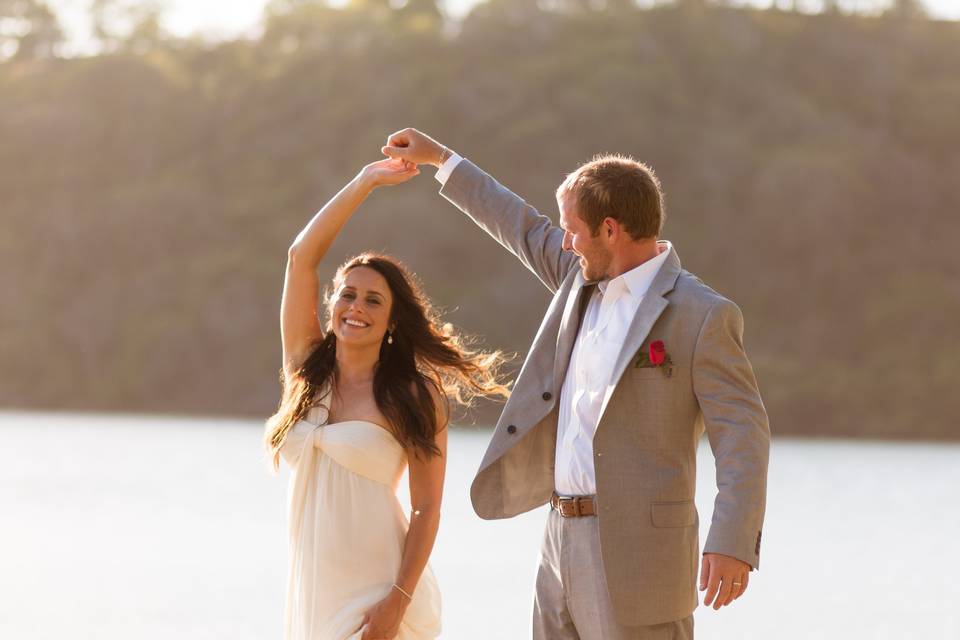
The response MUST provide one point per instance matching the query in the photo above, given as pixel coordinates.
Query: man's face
(595, 255)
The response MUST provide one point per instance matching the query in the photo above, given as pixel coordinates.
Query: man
(635, 358)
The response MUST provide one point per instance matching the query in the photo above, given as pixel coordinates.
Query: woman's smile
(354, 323)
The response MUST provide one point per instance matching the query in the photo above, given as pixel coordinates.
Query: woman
(362, 399)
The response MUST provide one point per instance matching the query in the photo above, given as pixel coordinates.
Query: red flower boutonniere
(655, 356)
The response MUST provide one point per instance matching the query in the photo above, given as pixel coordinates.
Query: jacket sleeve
(526, 233)
(739, 433)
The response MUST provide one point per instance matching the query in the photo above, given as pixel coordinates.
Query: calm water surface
(131, 527)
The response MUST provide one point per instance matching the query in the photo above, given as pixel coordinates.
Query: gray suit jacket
(645, 444)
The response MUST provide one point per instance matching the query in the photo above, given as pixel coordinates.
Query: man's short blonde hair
(618, 187)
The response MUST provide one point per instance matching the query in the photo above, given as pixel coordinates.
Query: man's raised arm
(523, 231)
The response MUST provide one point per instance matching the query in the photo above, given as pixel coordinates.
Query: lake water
(130, 527)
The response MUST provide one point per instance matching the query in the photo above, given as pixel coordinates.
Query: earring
(389, 338)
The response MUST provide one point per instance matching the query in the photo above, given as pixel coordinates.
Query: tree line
(149, 192)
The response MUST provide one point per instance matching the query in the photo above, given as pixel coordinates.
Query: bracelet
(444, 154)
(397, 587)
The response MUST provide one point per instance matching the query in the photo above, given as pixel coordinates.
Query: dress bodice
(360, 446)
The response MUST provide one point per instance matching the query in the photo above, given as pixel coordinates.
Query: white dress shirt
(587, 386)
(447, 167)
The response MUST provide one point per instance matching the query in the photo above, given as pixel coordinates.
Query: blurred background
(157, 159)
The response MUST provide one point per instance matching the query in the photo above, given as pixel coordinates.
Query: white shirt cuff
(447, 167)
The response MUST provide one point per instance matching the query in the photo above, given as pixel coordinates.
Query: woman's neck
(356, 366)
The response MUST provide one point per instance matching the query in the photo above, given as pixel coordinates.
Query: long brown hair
(424, 354)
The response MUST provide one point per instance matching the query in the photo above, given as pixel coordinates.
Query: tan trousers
(572, 602)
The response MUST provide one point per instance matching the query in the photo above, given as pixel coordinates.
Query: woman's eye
(373, 301)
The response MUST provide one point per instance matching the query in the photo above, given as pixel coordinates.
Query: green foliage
(29, 30)
(810, 165)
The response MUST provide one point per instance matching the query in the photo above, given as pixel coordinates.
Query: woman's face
(361, 308)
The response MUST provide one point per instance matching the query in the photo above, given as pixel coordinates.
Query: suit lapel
(648, 313)
(570, 327)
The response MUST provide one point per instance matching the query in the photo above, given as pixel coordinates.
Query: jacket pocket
(664, 372)
(673, 514)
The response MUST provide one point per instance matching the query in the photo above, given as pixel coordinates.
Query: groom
(634, 359)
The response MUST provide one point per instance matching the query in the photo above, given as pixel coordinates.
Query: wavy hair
(426, 354)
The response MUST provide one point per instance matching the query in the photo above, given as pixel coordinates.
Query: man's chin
(589, 275)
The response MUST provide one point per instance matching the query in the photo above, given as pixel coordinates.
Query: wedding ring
(738, 584)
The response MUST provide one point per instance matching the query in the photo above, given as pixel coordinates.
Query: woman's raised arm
(299, 323)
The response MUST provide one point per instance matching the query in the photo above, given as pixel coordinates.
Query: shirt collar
(638, 280)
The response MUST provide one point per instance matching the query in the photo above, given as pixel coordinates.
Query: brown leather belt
(574, 507)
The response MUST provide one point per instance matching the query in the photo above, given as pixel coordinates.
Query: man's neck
(632, 255)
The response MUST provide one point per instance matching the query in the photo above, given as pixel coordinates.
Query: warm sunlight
(220, 19)
(441, 320)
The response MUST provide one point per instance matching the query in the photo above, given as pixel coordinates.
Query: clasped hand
(389, 171)
(405, 151)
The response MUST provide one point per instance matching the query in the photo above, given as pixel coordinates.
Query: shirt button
(512, 429)
(547, 395)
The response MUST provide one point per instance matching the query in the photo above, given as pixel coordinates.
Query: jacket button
(512, 429)
(547, 395)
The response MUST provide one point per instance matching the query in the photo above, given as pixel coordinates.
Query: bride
(365, 395)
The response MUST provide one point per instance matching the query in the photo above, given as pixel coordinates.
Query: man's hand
(724, 578)
(414, 146)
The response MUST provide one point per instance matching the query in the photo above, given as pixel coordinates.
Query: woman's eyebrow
(372, 292)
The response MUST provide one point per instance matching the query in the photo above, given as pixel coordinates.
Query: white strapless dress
(347, 530)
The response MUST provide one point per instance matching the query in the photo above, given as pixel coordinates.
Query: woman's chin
(352, 339)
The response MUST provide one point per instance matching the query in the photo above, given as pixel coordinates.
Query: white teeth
(355, 323)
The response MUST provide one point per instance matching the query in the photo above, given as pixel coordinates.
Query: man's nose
(566, 245)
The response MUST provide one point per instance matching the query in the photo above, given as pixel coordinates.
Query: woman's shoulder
(441, 403)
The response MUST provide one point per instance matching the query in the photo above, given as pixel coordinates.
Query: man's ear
(611, 228)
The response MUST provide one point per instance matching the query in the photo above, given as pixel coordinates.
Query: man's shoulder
(691, 290)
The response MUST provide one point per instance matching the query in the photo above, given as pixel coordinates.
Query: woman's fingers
(392, 171)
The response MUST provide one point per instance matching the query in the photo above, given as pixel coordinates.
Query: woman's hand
(388, 171)
(383, 620)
